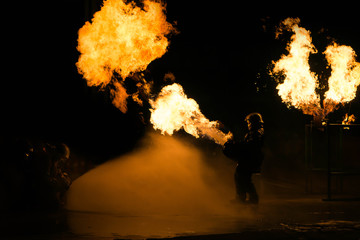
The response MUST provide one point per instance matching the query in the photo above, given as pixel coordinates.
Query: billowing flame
(298, 88)
(345, 75)
(173, 110)
(300, 84)
(122, 38)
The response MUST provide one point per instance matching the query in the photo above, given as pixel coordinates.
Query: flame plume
(122, 38)
(173, 110)
(345, 75)
(298, 88)
(300, 84)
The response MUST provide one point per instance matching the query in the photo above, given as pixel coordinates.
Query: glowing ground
(290, 217)
(167, 188)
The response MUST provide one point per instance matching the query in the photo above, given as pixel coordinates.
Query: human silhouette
(249, 156)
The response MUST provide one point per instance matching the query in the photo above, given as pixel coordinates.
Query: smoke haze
(165, 175)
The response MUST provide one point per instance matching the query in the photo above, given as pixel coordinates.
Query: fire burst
(122, 38)
(300, 84)
(173, 110)
(125, 39)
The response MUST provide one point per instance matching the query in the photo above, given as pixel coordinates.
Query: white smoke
(164, 176)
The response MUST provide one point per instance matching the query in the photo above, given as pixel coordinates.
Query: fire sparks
(173, 110)
(122, 38)
(300, 84)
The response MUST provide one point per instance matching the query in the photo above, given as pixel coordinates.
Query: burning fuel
(348, 119)
(173, 110)
(122, 38)
(299, 86)
(345, 75)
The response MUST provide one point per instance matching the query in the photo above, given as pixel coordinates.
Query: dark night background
(221, 56)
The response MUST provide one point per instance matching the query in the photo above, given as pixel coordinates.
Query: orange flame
(173, 110)
(348, 119)
(298, 88)
(122, 38)
(300, 84)
(345, 75)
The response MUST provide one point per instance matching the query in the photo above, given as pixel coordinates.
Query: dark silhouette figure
(33, 174)
(249, 157)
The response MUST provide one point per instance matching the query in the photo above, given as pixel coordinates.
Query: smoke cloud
(166, 175)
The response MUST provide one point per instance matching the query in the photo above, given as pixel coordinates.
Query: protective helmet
(255, 119)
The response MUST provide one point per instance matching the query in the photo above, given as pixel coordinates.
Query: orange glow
(345, 75)
(298, 88)
(173, 110)
(348, 119)
(122, 38)
(300, 84)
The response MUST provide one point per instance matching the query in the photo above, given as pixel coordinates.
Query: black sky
(221, 57)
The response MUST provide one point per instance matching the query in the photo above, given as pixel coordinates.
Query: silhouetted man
(249, 156)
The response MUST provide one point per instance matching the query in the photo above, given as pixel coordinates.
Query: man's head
(254, 121)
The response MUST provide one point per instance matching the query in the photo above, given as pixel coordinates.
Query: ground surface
(285, 217)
